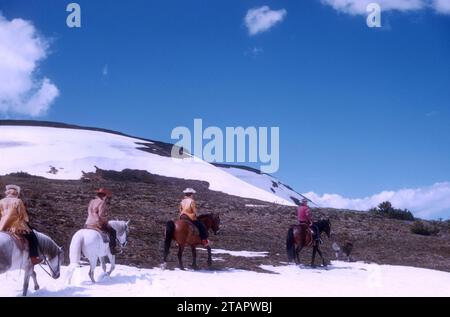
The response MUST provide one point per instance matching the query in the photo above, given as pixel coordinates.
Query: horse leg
(112, 261)
(26, 280)
(194, 258)
(103, 263)
(209, 256)
(297, 254)
(313, 256)
(320, 253)
(93, 264)
(180, 256)
(36, 285)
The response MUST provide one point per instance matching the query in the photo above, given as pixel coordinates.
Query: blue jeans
(201, 229)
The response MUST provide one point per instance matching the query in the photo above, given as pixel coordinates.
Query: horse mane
(211, 215)
(47, 245)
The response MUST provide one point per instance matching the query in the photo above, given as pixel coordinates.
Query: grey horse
(12, 257)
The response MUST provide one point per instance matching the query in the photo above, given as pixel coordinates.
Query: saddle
(308, 233)
(191, 224)
(104, 235)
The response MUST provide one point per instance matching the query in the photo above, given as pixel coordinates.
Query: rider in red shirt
(304, 217)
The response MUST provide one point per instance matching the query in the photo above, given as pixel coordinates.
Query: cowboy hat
(13, 187)
(189, 191)
(304, 200)
(104, 191)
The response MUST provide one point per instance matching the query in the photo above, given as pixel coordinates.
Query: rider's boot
(35, 260)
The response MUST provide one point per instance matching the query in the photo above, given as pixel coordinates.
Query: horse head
(122, 230)
(56, 262)
(325, 226)
(215, 223)
(53, 254)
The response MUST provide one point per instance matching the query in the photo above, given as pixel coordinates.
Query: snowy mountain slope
(61, 152)
(264, 181)
(340, 279)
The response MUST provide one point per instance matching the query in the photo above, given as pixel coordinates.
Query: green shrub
(386, 209)
(419, 227)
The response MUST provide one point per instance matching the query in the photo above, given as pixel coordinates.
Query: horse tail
(170, 230)
(290, 245)
(75, 254)
(75, 248)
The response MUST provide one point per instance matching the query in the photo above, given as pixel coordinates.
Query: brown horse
(299, 236)
(185, 233)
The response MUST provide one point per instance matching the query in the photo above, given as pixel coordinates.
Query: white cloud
(426, 202)
(442, 6)
(261, 19)
(21, 50)
(355, 7)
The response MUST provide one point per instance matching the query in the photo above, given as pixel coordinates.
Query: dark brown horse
(299, 236)
(185, 233)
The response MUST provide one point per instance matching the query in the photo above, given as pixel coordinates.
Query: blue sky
(360, 110)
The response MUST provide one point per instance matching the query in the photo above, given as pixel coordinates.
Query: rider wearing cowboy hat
(188, 211)
(305, 218)
(14, 219)
(98, 217)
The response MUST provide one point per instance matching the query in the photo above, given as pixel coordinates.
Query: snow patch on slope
(70, 151)
(244, 254)
(266, 182)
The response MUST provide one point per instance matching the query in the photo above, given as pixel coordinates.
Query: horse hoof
(36, 288)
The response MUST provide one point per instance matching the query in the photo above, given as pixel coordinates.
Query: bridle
(122, 245)
(47, 262)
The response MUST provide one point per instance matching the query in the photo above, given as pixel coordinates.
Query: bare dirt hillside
(58, 208)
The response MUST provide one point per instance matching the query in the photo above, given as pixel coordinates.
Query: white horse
(90, 243)
(12, 257)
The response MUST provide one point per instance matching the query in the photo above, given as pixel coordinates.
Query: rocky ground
(58, 208)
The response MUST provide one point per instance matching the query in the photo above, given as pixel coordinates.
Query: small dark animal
(346, 250)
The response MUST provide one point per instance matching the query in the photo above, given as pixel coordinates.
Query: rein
(120, 245)
(47, 262)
